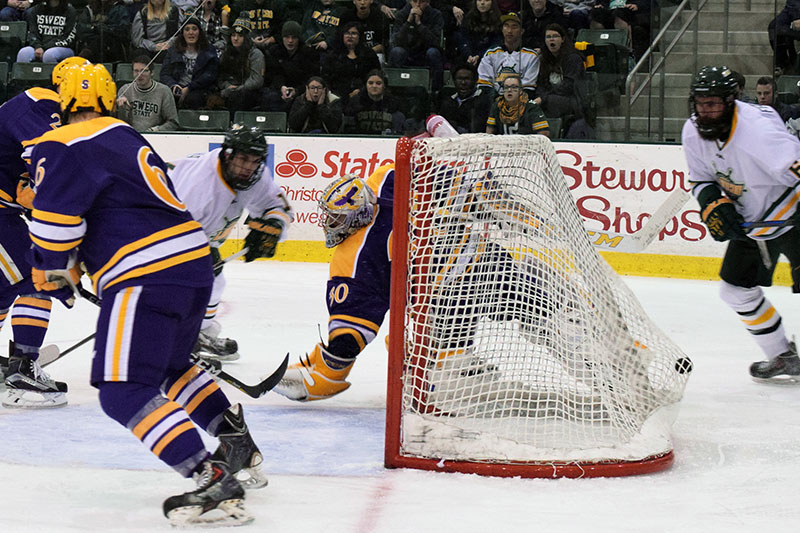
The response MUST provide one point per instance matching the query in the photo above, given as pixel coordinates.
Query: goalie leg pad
(318, 376)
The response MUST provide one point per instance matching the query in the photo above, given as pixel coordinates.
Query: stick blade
(273, 379)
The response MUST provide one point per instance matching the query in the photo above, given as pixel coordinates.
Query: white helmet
(346, 206)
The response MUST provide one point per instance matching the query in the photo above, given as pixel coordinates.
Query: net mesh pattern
(521, 343)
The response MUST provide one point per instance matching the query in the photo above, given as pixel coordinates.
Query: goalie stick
(638, 241)
(51, 353)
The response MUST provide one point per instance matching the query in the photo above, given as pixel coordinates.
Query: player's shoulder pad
(80, 131)
(40, 93)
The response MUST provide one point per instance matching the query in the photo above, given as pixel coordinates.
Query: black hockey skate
(28, 386)
(216, 348)
(236, 447)
(784, 369)
(217, 502)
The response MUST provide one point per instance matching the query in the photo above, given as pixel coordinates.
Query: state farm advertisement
(615, 186)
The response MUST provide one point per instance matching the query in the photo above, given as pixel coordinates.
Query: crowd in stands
(502, 66)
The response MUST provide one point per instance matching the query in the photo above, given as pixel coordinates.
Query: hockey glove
(25, 194)
(263, 237)
(61, 284)
(722, 220)
(217, 260)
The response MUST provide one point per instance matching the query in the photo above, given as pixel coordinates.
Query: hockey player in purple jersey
(103, 200)
(25, 116)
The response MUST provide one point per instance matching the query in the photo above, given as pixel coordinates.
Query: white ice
(737, 453)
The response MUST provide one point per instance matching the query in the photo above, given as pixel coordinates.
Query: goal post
(514, 349)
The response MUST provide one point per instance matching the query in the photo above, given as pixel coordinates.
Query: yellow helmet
(60, 69)
(87, 88)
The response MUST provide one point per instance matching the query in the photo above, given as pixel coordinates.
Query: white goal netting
(521, 344)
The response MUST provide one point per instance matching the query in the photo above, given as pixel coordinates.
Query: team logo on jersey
(296, 163)
(732, 189)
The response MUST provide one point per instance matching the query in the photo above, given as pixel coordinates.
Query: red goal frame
(393, 458)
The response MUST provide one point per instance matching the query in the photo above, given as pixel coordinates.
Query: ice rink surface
(737, 443)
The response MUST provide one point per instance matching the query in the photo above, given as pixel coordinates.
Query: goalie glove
(263, 237)
(720, 215)
(61, 284)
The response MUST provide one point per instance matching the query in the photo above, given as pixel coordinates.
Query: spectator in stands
(320, 24)
(266, 19)
(514, 114)
(191, 66)
(316, 111)
(784, 30)
(374, 25)
(146, 104)
(241, 70)
(14, 10)
(577, 12)
(289, 64)
(767, 94)
(560, 67)
(347, 64)
(511, 58)
(374, 111)
(110, 35)
(467, 107)
(479, 31)
(536, 16)
(210, 17)
(509, 6)
(630, 15)
(152, 28)
(741, 81)
(51, 32)
(418, 33)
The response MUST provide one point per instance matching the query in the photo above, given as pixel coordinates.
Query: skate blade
(227, 514)
(252, 478)
(24, 399)
(783, 381)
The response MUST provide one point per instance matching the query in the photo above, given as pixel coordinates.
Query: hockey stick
(636, 242)
(769, 223)
(254, 391)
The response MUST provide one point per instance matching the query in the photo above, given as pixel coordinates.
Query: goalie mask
(346, 206)
(714, 82)
(244, 151)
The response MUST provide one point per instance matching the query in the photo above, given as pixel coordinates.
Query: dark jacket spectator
(210, 16)
(346, 66)
(536, 16)
(317, 110)
(467, 106)
(417, 39)
(110, 36)
(560, 67)
(191, 66)
(479, 31)
(784, 30)
(320, 24)
(374, 24)
(289, 64)
(374, 111)
(241, 71)
(767, 94)
(153, 26)
(266, 18)
(51, 32)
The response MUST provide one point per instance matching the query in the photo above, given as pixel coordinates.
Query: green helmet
(709, 82)
(242, 140)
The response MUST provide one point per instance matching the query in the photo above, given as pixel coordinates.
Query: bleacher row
(605, 75)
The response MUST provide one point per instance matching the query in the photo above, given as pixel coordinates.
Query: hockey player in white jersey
(745, 174)
(217, 187)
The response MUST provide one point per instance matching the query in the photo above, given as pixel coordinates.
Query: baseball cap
(510, 17)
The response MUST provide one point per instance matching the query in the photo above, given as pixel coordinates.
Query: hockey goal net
(515, 350)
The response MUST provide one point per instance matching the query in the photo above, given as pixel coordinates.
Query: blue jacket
(205, 69)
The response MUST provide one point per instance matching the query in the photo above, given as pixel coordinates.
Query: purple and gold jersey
(360, 270)
(26, 116)
(101, 188)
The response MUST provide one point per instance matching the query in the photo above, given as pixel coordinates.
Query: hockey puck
(683, 365)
